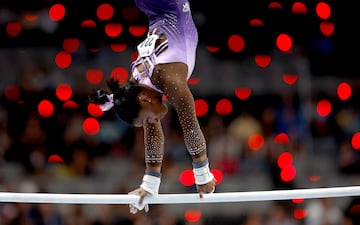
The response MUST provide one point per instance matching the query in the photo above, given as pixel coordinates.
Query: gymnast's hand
(149, 187)
(206, 188)
(134, 208)
(204, 178)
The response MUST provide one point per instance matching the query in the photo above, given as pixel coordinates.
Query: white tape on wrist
(151, 184)
(203, 174)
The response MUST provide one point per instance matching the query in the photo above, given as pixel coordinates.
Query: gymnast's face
(152, 107)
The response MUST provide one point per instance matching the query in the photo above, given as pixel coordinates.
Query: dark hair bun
(114, 85)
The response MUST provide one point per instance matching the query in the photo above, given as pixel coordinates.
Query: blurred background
(275, 87)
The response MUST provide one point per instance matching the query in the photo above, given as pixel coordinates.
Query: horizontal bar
(248, 196)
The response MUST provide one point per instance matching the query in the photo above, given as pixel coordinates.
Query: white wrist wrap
(151, 184)
(203, 174)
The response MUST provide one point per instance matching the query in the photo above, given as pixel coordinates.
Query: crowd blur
(111, 161)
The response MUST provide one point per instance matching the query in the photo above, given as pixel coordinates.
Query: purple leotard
(172, 18)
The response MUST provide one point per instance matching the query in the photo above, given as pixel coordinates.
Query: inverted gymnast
(165, 62)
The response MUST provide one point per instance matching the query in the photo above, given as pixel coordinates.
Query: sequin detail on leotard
(185, 108)
(154, 142)
(193, 136)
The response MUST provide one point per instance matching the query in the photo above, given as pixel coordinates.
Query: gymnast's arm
(154, 146)
(171, 78)
(154, 151)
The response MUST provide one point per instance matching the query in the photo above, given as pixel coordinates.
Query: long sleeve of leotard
(180, 97)
(154, 143)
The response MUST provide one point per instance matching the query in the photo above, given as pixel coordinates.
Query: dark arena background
(276, 87)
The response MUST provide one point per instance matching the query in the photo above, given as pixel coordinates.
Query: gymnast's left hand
(207, 188)
(138, 206)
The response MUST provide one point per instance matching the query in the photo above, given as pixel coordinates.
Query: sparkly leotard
(173, 19)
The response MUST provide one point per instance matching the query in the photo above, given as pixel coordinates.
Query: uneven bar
(249, 196)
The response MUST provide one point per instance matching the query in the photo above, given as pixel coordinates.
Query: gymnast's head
(134, 103)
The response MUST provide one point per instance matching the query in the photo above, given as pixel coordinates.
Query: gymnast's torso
(171, 19)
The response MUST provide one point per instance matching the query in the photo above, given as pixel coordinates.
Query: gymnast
(165, 62)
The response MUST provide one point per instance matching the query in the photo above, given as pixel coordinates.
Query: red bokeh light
(70, 104)
(314, 178)
(284, 160)
(299, 8)
(242, 93)
(94, 76)
(355, 141)
(105, 11)
(213, 49)
(113, 29)
(137, 30)
(290, 79)
(284, 42)
(323, 107)
(91, 126)
(355, 209)
(344, 91)
(55, 159)
(193, 80)
(275, 5)
(63, 60)
(31, 16)
(297, 200)
(300, 213)
(327, 28)
(45, 108)
(223, 107)
(187, 178)
(262, 60)
(256, 23)
(323, 10)
(63, 91)
(12, 93)
(94, 110)
(71, 44)
(13, 29)
(281, 138)
(288, 173)
(88, 24)
(57, 12)
(218, 175)
(256, 142)
(192, 215)
(236, 43)
(201, 107)
(118, 47)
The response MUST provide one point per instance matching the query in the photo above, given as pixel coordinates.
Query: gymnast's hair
(125, 101)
